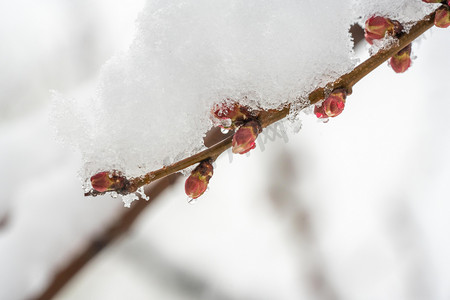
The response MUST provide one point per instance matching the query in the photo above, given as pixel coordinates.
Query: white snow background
(353, 209)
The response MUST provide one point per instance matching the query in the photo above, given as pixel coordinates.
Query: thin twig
(268, 117)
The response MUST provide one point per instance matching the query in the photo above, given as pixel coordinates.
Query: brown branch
(268, 117)
(117, 229)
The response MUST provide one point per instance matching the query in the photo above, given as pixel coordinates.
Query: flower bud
(442, 17)
(105, 181)
(197, 182)
(244, 139)
(377, 27)
(230, 115)
(332, 106)
(401, 61)
(432, 1)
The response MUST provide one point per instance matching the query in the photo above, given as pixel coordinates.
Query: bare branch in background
(3, 221)
(288, 204)
(116, 230)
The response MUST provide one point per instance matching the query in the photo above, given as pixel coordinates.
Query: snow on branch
(241, 66)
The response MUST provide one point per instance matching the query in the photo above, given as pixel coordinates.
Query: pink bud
(442, 17)
(244, 139)
(105, 181)
(432, 1)
(230, 115)
(332, 106)
(401, 61)
(197, 182)
(376, 28)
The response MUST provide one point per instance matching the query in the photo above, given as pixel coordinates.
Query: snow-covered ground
(356, 208)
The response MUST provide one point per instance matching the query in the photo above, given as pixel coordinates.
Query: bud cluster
(237, 117)
(332, 106)
(378, 27)
(231, 116)
(197, 182)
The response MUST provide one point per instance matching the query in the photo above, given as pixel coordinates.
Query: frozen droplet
(128, 199)
(297, 126)
(308, 110)
(294, 123)
(140, 192)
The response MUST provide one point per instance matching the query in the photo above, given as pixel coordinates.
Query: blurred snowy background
(354, 209)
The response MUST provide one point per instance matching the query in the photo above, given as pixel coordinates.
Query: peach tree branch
(268, 117)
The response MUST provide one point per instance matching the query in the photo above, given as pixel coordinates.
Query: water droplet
(224, 131)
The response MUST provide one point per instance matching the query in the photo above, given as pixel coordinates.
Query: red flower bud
(442, 17)
(197, 182)
(230, 115)
(332, 106)
(105, 181)
(401, 61)
(432, 1)
(376, 28)
(245, 137)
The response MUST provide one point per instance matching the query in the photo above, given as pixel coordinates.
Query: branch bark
(268, 117)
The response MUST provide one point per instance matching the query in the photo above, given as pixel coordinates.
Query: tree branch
(268, 117)
(106, 238)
